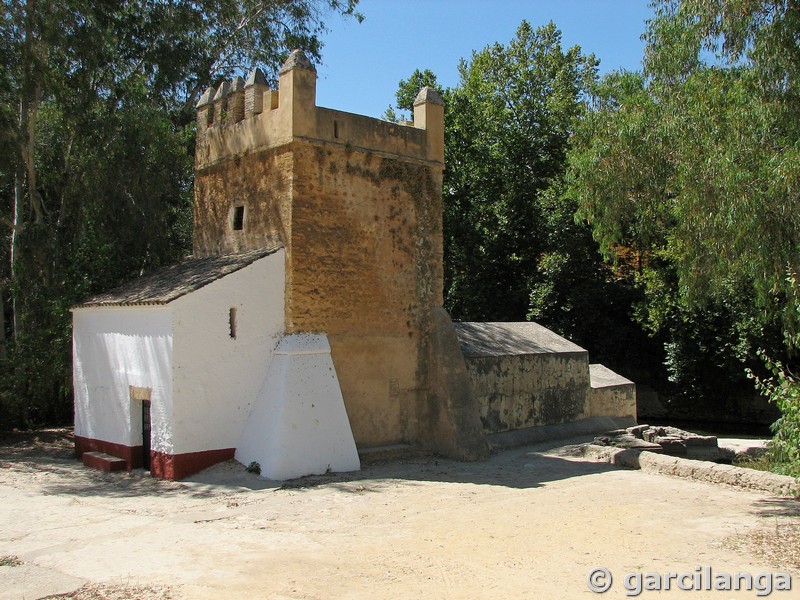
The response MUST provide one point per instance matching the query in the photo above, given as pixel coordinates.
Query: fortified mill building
(308, 324)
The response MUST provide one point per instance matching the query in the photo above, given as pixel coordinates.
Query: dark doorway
(146, 434)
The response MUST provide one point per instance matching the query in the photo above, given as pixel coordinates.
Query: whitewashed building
(168, 368)
(184, 350)
(309, 321)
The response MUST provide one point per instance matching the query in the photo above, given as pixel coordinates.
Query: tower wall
(356, 203)
(366, 269)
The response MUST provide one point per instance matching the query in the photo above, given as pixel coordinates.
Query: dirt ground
(528, 523)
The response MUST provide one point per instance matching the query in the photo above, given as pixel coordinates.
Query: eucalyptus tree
(96, 133)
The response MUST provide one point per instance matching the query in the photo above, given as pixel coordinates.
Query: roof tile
(170, 283)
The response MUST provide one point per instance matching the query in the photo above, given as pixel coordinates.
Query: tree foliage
(695, 161)
(96, 155)
(407, 90)
(783, 388)
(508, 126)
(690, 169)
(513, 250)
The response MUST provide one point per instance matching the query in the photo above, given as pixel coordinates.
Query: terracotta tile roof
(169, 283)
(503, 339)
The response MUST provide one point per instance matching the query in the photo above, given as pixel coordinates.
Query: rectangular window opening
(336, 129)
(238, 218)
(232, 323)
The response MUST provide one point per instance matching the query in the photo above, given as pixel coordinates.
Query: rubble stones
(626, 441)
(666, 440)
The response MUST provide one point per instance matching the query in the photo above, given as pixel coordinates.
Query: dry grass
(116, 592)
(778, 546)
(10, 561)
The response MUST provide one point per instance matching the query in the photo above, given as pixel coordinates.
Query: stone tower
(356, 203)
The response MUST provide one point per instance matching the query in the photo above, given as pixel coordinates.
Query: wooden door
(146, 434)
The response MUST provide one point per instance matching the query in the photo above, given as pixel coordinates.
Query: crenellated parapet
(254, 90)
(233, 101)
(243, 116)
(356, 204)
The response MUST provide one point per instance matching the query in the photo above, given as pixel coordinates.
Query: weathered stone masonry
(356, 203)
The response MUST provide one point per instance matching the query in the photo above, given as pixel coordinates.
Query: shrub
(783, 388)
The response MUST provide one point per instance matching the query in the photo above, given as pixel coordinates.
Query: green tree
(509, 122)
(407, 90)
(97, 140)
(513, 249)
(696, 162)
(692, 168)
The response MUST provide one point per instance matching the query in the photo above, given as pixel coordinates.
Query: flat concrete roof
(602, 376)
(502, 339)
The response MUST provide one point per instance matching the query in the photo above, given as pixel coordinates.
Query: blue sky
(363, 63)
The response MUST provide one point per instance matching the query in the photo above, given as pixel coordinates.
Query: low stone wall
(515, 392)
(611, 395)
(772, 483)
(523, 375)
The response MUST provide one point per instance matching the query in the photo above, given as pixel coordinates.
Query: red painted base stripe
(162, 465)
(132, 455)
(178, 466)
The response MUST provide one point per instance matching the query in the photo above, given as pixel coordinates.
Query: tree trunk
(14, 254)
(3, 351)
(29, 107)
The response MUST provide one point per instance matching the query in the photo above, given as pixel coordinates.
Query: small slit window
(238, 218)
(232, 323)
(336, 129)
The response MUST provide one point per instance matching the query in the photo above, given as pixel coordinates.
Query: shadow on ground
(778, 507)
(529, 467)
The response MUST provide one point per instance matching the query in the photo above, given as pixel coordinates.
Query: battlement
(244, 116)
(356, 203)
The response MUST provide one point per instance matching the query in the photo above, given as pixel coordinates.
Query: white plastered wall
(299, 425)
(216, 378)
(113, 349)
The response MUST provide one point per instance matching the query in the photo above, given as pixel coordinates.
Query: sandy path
(528, 523)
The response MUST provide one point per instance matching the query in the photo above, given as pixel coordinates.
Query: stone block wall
(523, 375)
(517, 392)
(611, 394)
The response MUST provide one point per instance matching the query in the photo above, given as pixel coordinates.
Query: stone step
(103, 462)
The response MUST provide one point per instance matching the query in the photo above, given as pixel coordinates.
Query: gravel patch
(779, 546)
(116, 592)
